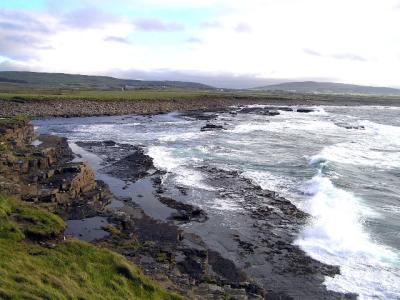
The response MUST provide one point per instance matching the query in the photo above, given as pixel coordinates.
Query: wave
(279, 126)
(164, 159)
(336, 236)
(173, 137)
(270, 182)
(376, 146)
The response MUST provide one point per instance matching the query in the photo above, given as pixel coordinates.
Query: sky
(225, 43)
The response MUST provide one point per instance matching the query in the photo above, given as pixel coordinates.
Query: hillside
(329, 88)
(72, 81)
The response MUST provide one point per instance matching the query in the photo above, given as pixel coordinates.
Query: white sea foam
(387, 134)
(270, 182)
(376, 146)
(225, 205)
(297, 126)
(164, 159)
(172, 137)
(336, 236)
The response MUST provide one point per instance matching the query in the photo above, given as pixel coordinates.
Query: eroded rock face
(42, 171)
(15, 132)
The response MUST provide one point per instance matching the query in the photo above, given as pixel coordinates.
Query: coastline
(39, 108)
(121, 228)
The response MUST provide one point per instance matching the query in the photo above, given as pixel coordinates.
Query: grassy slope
(71, 270)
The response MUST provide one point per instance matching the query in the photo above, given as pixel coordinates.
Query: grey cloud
(243, 28)
(19, 47)
(11, 26)
(153, 24)
(348, 56)
(88, 17)
(22, 35)
(311, 52)
(17, 21)
(117, 39)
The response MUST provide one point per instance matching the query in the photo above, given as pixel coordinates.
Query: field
(134, 95)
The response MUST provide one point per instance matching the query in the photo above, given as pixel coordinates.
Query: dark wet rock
(209, 127)
(304, 110)
(132, 167)
(350, 126)
(266, 111)
(109, 151)
(109, 143)
(183, 190)
(185, 212)
(225, 268)
(201, 115)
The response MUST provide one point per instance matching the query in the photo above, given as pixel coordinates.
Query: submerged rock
(209, 127)
(350, 126)
(266, 111)
(304, 110)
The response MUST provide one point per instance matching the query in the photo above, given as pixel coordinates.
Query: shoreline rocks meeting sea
(115, 196)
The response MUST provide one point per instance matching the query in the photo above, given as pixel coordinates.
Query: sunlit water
(347, 179)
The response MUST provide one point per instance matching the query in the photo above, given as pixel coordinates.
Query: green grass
(130, 95)
(138, 95)
(71, 270)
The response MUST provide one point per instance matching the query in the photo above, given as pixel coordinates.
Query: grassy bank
(34, 265)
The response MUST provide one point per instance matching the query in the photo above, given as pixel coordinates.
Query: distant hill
(328, 88)
(72, 81)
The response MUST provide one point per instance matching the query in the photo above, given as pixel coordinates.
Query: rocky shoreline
(40, 169)
(45, 170)
(80, 108)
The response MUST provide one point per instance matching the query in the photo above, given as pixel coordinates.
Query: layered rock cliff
(40, 169)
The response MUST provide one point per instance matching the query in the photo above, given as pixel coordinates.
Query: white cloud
(350, 40)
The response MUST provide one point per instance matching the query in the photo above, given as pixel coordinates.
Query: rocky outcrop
(266, 111)
(42, 171)
(15, 131)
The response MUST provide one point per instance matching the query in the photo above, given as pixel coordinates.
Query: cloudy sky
(227, 43)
